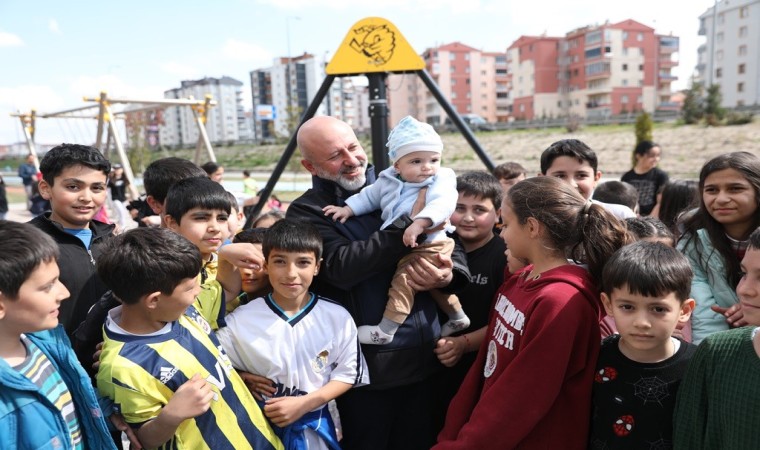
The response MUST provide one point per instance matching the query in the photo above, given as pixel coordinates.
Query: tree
(643, 127)
(692, 111)
(142, 136)
(714, 113)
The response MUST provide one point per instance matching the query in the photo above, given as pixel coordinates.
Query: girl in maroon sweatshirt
(530, 386)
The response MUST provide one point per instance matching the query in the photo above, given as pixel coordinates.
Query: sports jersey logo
(319, 363)
(166, 374)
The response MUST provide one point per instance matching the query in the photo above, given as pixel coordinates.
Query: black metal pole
(378, 113)
(455, 119)
(288, 153)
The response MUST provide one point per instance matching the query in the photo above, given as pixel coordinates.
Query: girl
(715, 239)
(645, 176)
(677, 197)
(530, 386)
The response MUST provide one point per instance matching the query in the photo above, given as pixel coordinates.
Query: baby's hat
(411, 135)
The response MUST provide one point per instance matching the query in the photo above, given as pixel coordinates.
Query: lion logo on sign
(377, 42)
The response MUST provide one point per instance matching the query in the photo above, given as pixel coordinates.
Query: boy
(645, 287)
(307, 345)
(617, 192)
(74, 180)
(161, 363)
(159, 176)
(475, 216)
(573, 162)
(255, 282)
(717, 403)
(415, 185)
(46, 398)
(509, 174)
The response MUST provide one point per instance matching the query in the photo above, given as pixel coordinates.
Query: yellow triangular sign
(374, 45)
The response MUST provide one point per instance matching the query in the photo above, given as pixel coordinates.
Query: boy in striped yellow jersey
(46, 399)
(162, 364)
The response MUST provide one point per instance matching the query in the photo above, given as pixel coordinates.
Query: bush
(643, 128)
(573, 123)
(739, 118)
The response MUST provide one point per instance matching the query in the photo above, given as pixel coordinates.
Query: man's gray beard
(349, 185)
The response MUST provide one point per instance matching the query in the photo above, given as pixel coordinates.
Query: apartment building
(473, 81)
(226, 121)
(730, 56)
(592, 71)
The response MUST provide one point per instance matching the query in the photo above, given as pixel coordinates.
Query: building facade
(730, 56)
(473, 81)
(226, 121)
(592, 71)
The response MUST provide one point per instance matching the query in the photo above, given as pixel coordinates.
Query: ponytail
(600, 234)
(574, 226)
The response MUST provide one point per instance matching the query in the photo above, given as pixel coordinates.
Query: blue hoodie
(29, 420)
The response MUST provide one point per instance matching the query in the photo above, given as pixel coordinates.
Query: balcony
(666, 77)
(668, 106)
(599, 75)
(598, 89)
(667, 63)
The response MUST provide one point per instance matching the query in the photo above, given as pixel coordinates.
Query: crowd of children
(587, 322)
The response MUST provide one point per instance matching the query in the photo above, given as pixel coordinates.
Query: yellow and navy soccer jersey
(210, 303)
(141, 373)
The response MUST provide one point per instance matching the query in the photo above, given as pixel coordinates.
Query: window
(718, 73)
(452, 56)
(743, 31)
(522, 108)
(640, 37)
(625, 67)
(719, 55)
(625, 38)
(624, 82)
(466, 56)
(576, 101)
(625, 50)
(453, 95)
(640, 99)
(742, 50)
(624, 99)
(467, 81)
(721, 18)
(742, 68)
(719, 37)
(453, 81)
(744, 12)
(740, 87)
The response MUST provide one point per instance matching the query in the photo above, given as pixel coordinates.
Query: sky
(53, 53)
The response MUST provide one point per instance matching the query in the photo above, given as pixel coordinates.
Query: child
(509, 174)
(118, 184)
(236, 216)
(677, 198)
(159, 176)
(573, 162)
(268, 219)
(161, 363)
(307, 345)
(475, 216)
(645, 287)
(717, 402)
(255, 282)
(715, 238)
(418, 186)
(617, 192)
(530, 386)
(650, 229)
(214, 171)
(74, 179)
(645, 176)
(46, 398)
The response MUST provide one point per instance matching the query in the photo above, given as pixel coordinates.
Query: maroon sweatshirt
(530, 386)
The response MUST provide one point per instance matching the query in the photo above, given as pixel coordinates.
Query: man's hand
(733, 314)
(117, 420)
(338, 212)
(424, 276)
(258, 385)
(283, 411)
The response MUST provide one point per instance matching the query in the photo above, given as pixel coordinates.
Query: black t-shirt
(647, 184)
